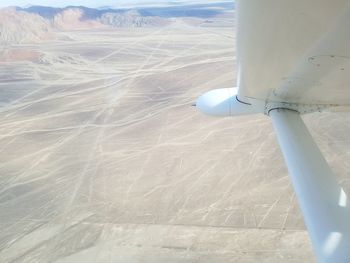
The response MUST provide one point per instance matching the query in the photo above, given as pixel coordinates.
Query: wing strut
(324, 204)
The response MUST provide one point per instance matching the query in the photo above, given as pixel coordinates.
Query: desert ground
(103, 158)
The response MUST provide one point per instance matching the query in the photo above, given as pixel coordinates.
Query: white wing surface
(294, 51)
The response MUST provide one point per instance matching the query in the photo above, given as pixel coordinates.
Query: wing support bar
(324, 204)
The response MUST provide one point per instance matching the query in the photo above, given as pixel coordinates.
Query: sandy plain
(103, 159)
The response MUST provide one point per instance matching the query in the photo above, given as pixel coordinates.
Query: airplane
(293, 58)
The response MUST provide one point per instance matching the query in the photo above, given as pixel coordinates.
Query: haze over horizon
(94, 4)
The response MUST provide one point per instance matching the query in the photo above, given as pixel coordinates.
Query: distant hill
(50, 12)
(72, 19)
(194, 10)
(132, 19)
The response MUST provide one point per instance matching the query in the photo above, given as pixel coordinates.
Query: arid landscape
(103, 158)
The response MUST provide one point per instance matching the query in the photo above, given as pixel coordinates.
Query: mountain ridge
(191, 10)
(40, 23)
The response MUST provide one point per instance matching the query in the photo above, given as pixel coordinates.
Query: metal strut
(323, 202)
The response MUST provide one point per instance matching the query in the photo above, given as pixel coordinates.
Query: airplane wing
(294, 51)
(293, 57)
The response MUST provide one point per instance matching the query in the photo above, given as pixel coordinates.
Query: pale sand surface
(103, 159)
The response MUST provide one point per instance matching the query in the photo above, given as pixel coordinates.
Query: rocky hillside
(18, 26)
(22, 27)
(72, 19)
(132, 19)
